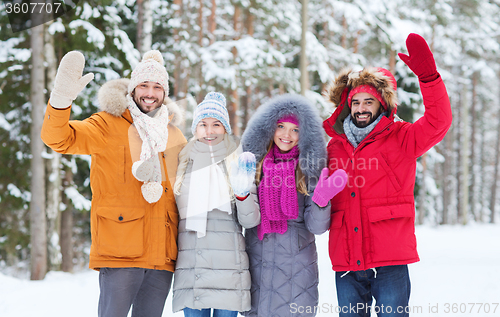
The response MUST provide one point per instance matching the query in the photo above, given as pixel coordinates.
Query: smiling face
(210, 131)
(365, 109)
(148, 96)
(286, 136)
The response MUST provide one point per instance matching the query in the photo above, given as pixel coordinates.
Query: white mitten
(69, 81)
(242, 174)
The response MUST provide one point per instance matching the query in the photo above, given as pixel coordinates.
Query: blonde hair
(300, 182)
(233, 151)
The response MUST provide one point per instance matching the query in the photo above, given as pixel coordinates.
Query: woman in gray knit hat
(213, 197)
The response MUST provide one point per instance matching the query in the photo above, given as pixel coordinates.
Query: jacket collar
(127, 116)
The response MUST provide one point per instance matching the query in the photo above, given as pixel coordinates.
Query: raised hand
(328, 187)
(420, 58)
(69, 81)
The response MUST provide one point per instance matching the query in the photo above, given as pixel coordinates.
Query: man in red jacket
(372, 234)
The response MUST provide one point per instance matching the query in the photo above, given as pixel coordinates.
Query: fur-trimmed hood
(112, 98)
(338, 91)
(261, 127)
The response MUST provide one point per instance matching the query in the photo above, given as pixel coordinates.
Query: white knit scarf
(153, 132)
(208, 188)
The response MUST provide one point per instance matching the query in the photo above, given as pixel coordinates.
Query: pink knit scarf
(277, 191)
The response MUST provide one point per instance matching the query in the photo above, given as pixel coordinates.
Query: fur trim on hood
(338, 91)
(113, 99)
(379, 78)
(261, 127)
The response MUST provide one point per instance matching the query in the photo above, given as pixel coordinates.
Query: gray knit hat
(213, 106)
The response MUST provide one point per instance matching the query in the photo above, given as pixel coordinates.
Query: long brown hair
(300, 182)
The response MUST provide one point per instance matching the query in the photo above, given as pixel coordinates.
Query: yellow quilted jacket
(126, 230)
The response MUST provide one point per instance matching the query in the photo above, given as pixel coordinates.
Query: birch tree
(53, 167)
(144, 26)
(304, 75)
(37, 205)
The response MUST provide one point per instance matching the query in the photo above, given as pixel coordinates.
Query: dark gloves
(420, 58)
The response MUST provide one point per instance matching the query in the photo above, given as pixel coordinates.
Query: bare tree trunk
(211, 23)
(326, 32)
(304, 75)
(465, 157)
(177, 69)
(202, 92)
(247, 101)
(67, 226)
(493, 198)
(37, 205)
(179, 80)
(144, 26)
(356, 42)
(234, 99)
(53, 170)
(473, 159)
(250, 22)
(140, 24)
(147, 40)
(245, 105)
(423, 191)
(482, 161)
(200, 23)
(392, 61)
(67, 239)
(447, 175)
(177, 61)
(343, 41)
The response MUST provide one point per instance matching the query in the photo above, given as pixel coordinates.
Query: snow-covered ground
(458, 276)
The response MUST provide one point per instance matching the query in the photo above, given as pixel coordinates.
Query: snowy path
(459, 266)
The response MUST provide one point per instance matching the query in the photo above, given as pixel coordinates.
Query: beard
(365, 123)
(145, 107)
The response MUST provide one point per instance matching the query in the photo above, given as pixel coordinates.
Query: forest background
(250, 50)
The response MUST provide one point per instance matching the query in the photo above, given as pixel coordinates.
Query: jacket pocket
(120, 231)
(338, 245)
(392, 231)
(390, 173)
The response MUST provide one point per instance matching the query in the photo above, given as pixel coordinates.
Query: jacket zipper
(367, 140)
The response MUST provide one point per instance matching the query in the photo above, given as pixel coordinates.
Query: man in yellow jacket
(134, 148)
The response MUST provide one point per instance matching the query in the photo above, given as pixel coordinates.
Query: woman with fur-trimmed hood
(294, 191)
(372, 233)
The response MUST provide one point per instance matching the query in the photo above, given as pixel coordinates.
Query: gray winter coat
(212, 271)
(284, 267)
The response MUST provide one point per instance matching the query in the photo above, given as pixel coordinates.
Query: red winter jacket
(373, 217)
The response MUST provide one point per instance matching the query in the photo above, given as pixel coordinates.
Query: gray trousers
(144, 289)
